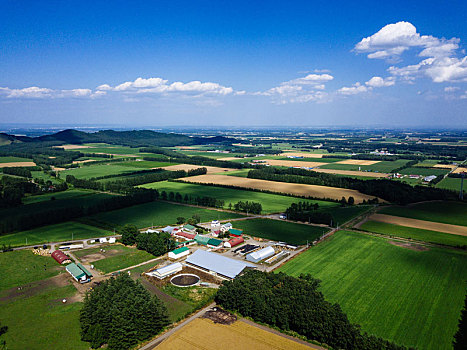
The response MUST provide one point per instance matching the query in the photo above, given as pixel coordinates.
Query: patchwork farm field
(358, 272)
(414, 233)
(452, 183)
(446, 212)
(53, 233)
(292, 233)
(382, 167)
(424, 171)
(157, 214)
(323, 192)
(57, 195)
(90, 171)
(239, 335)
(343, 214)
(144, 164)
(14, 160)
(272, 203)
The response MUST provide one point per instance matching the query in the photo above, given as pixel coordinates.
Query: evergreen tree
(460, 338)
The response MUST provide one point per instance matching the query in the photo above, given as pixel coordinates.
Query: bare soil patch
(16, 164)
(67, 147)
(357, 162)
(83, 161)
(350, 172)
(186, 167)
(422, 224)
(411, 246)
(33, 288)
(218, 315)
(281, 187)
(444, 166)
(292, 163)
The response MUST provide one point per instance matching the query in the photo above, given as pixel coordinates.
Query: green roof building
(78, 274)
(189, 227)
(203, 240)
(215, 242)
(235, 232)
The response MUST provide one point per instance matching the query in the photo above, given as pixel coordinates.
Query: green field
(42, 321)
(125, 257)
(57, 195)
(292, 233)
(157, 214)
(424, 171)
(428, 163)
(382, 167)
(90, 171)
(446, 212)
(411, 297)
(22, 266)
(343, 214)
(14, 159)
(452, 183)
(272, 203)
(414, 233)
(109, 149)
(53, 233)
(145, 164)
(45, 177)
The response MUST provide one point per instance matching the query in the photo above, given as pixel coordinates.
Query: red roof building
(233, 242)
(60, 257)
(184, 235)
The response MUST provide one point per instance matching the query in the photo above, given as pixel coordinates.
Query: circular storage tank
(185, 280)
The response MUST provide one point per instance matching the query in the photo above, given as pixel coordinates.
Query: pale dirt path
(422, 224)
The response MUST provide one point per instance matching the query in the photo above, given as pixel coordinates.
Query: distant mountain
(134, 138)
(6, 139)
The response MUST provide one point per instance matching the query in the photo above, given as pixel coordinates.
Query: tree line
(296, 304)
(121, 313)
(392, 191)
(155, 243)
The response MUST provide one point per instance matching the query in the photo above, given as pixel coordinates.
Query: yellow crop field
(357, 162)
(16, 164)
(460, 170)
(293, 163)
(422, 224)
(302, 154)
(445, 166)
(204, 334)
(281, 187)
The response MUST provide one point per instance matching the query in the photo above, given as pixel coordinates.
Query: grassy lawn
(446, 212)
(128, 257)
(276, 230)
(382, 167)
(22, 266)
(411, 297)
(45, 177)
(53, 233)
(415, 233)
(14, 159)
(272, 203)
(158, 214)
(452, 183)
(58, 195)
(90, 171)
(42, 321)
(424, 171)
(194, 296)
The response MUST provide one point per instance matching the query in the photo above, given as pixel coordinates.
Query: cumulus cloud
(356, 88)
(451, 88)
(35, 92)
(380, 82)
(440, 62)
(374, 82)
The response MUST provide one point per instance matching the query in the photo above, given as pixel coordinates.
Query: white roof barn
(261, 254)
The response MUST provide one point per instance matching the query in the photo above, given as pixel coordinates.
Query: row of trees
(154, 243)
(248, 207)
(306, 212)
(296, 304)
(392, 191)
(120, 312)
(460, 338)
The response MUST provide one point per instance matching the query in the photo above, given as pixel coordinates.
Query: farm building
(61, 257)
(112, 240)
(71, 246)
(215, 225)
(226, 227)
(189, 228)
(179, 253)
(215, 243)
(261, 254)
(168, 229)
(234, 242)
(79, 272)
(166, 271)
(235, 233)
(186, 235)
(151, 230)
(217, 264)
(203, 240)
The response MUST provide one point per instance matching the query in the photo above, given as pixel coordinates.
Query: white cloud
(451, 88)
(29, 92)
(380, 82)
(356, 88)
(374, 82)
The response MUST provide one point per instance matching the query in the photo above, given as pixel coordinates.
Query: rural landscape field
(233, 175)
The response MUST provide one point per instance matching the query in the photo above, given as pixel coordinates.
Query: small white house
(226, 227)
(103, 240)
(112, 240)
(215, 225)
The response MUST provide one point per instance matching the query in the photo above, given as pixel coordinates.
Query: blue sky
(199, 63)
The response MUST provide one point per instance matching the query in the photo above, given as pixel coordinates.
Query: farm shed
(79, 273)
(186, 235)
(60, 257)
(189, 227)
(203, 240)
(71, 246)
(215, 243)
(163, 272)
(234, 242)
(235, 233)
(168, 229)
(261, 254)
(226, 227)
(179, 253)
(217, 264)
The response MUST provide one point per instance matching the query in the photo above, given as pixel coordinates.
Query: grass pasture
(97, 170)
(53, 233)
(57, 195)
(358, 272)
(424, 171)
(145, 164)
(14, 159)
(292, 233)
(157, 214)
(445, 212)
(414, 233)
(272, 203)
(452, 183)
(343, 214)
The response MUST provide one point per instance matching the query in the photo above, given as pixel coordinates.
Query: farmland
(57, 196)
(90, 171)
(383, 166)
(144, 164)
(314, 191)
(53, 233)
(445, 212)
(14, 160)
(451, 183)
(157, 214)
(239, 335)
(271, 203)
(358, 272)
(424, 171)
(414, 233)
(292, 233)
